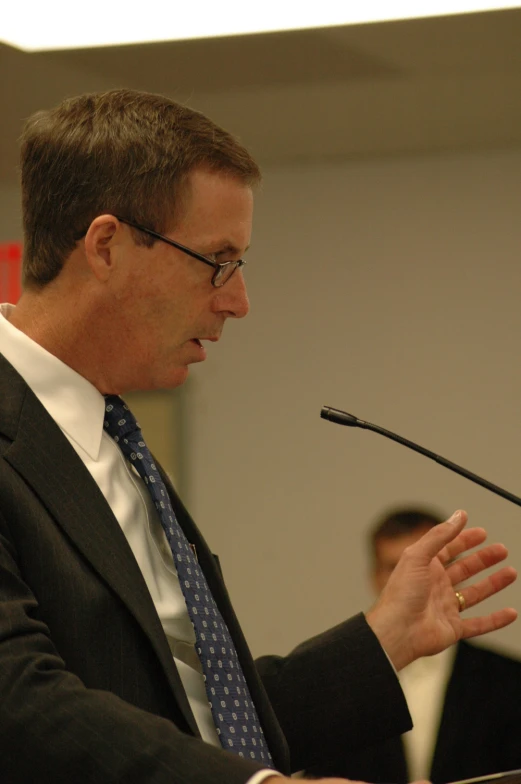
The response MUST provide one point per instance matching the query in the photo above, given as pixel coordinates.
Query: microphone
(343, 418)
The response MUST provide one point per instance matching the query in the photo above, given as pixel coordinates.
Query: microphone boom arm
(343, 418)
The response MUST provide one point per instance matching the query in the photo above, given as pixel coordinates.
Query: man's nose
(233, 297)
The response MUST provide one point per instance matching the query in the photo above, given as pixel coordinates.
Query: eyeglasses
(223, 271)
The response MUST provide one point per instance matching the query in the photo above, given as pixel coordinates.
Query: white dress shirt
(78, 409)
(424, 683)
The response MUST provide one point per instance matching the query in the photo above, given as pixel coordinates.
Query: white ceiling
(399, 87)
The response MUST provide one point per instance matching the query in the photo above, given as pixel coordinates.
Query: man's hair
(401, 522)
(120, 152)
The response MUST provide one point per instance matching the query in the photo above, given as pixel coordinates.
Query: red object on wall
(10, 271)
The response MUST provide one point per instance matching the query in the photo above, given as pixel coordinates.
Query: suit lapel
(397, 760)
(43, 456)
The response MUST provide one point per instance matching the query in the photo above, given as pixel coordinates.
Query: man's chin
(179, 377)
(174, 379)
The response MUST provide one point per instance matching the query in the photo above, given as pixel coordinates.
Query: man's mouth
(211, 338)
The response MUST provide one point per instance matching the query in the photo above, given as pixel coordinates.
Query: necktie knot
(119, 422)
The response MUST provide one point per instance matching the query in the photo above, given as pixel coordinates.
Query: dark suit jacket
(89, 691)
(479, 733)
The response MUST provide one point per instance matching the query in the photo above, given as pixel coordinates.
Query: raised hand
(419, 611)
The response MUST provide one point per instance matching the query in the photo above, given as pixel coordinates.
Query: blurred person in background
(465, 702)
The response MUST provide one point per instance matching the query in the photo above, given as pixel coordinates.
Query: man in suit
(465, 702)
(121, 659)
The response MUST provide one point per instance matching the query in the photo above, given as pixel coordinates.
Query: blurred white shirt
(424, 683)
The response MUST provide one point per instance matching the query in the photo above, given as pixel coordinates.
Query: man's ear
(103, 236)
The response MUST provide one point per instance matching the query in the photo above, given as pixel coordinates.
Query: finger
(466, 540)
(472, 627)
(472, 564)
(435, 540)
(474, 594)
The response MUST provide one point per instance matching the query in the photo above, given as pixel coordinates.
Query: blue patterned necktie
(233, 710)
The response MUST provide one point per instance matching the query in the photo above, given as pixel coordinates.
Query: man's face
(166, 300)
(387, 554)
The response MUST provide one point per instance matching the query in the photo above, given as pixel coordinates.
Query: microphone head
(339, 417)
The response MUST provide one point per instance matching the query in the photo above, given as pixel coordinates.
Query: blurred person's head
(392, 533)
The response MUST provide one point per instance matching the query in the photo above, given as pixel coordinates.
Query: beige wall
(390, 288)
(387, 287)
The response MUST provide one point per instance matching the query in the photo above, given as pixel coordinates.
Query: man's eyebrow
(229, 247)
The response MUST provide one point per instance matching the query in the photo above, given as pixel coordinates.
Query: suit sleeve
(336, 691)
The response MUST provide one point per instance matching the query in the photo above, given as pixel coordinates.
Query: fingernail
(455, 517)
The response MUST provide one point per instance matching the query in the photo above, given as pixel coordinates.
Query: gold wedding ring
(461, 601)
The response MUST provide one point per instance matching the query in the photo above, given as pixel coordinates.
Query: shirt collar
(73, 402)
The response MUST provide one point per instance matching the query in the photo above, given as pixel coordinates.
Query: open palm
(418, 614)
